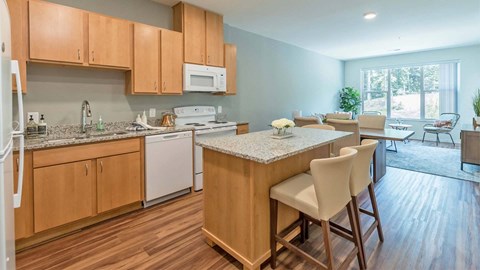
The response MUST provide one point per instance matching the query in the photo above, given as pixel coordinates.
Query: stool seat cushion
(297, 192)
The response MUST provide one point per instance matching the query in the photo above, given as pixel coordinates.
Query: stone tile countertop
(261, 147)
(69, 135)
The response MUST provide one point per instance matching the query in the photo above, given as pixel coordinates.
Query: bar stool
(318, 198)
(359, 181)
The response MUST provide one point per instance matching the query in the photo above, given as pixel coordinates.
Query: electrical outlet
(35, 116)
(152, 112)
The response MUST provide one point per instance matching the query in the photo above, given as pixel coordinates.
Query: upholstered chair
(301, 121)
(317, 126)
(372, 121)
(318, 197)
(345, 125)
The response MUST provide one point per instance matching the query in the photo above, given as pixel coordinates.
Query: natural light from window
(411, 92)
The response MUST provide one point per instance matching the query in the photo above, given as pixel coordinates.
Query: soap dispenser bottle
(31, 128)
(100, 124)
(144, 118)
(42, 127)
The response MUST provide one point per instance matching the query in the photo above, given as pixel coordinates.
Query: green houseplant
(350, 100)
(476, 106)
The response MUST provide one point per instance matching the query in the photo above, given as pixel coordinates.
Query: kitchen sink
(83, 137)
(109, 134)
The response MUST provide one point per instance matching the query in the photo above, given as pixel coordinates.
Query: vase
(282, 131)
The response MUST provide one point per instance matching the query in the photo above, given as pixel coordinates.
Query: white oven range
(202, 118)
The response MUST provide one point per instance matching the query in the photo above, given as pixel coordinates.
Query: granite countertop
(260, 147)
(69, 135)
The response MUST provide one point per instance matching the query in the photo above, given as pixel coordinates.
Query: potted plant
(476, 106)
(350, 100)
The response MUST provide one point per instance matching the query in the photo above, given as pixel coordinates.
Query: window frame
(389, 68)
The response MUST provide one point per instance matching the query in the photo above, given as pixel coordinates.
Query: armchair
(444, 125)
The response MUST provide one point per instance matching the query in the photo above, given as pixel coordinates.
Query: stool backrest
(331, 179)
(301, 121)
(372, 121)
(324, 127)
(345, 125)
(360, 176)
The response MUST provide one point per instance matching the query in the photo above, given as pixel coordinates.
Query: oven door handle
(214, 130)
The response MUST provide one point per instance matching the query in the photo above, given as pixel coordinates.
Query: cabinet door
(109, 41)
(231, 67)
(56, 32)
(194, 34)
(146, 61)
(62, 194)
(171, 62)
(19, 29)
(118, 181)
(214, 39)
(24, 214)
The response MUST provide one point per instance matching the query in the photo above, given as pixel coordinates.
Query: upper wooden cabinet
(146, 59)
(231, 67)
(56, 32)
(171, 62)
(203, 34)
(19, 28)
(214, 39)
(109, 41)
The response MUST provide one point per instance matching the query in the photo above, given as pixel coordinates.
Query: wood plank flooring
(429, 222)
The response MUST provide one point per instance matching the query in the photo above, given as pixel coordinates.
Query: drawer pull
(101, 166)
(86, 169)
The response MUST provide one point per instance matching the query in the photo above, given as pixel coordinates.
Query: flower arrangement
(281, 126)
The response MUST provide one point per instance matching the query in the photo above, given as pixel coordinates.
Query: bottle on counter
(42, 127)
(32, 128)
(100, 124)
(144, 118)
(139, 119)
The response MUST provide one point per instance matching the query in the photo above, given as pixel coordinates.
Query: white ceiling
(336, 28)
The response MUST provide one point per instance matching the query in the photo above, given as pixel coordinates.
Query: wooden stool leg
(353, 224)
(273, 232)
(373, 199)
(328, 243)
(356, 215)
(302, 228)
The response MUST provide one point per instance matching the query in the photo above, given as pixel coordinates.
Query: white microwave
(197, 78)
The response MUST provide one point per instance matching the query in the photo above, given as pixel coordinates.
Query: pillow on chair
(443, 123)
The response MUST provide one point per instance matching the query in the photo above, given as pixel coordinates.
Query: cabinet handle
(18, 161)
(101, 166)
(86, 169)
(155, 85)
(164, 86)
(209, 59)
(93, 56)
(78, 54)
(202, 57)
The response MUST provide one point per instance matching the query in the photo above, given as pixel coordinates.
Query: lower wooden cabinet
(242, 128)
(62, 194)
(24, 214)
(118, 181)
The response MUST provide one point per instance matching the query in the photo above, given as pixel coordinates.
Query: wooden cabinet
(118, 181)
(231, 67)
(214, 39)
(193, 27)
(109, 41)
(203, 34)
(470, 150)
(146, 59)
(24, 214)
(242, 128)
(171, 62)
(56, 32)
(62, 194)
(19, 28)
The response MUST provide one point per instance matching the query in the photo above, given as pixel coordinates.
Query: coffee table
(397, 126)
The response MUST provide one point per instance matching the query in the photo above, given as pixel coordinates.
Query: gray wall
(273, 78)
(469, 59)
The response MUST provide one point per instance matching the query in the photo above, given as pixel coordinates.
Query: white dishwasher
(168, 166)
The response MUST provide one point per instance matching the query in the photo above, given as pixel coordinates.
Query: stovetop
(209, 125)
(200, 117)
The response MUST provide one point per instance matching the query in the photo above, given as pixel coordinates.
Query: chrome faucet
(86, 112)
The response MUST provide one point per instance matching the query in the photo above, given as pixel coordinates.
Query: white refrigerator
(9, 199)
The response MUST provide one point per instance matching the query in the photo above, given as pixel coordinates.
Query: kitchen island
(238, 172)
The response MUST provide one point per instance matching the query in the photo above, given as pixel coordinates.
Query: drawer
(54, 156)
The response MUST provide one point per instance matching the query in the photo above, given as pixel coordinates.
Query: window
(411, 92)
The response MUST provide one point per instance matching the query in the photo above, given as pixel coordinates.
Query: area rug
(432, 160)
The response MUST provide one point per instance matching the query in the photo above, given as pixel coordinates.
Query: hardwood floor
(429, 222)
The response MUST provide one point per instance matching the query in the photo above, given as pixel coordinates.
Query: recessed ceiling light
(369, 15)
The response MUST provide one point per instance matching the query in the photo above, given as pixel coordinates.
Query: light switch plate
(152, 112)
(35, 115)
